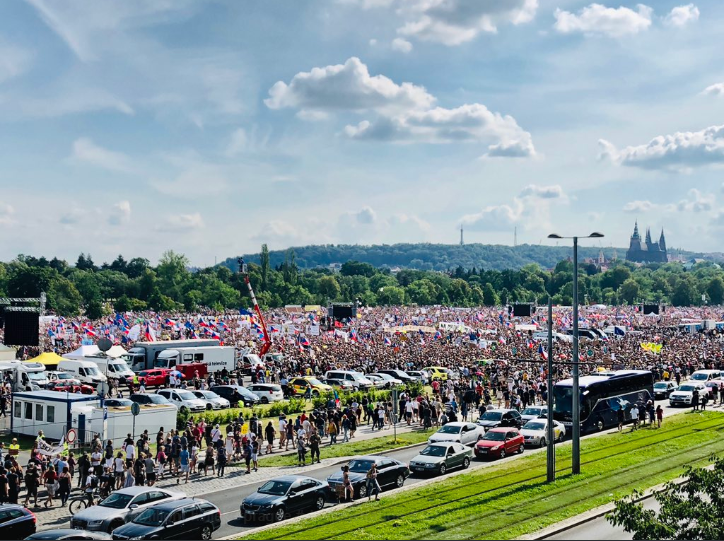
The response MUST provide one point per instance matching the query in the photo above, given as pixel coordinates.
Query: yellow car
(299, 386)
(437, 373)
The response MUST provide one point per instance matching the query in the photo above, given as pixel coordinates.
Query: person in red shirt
(49, 478)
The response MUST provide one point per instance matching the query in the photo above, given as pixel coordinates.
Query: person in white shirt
(215, 435)
(96, 458)
(282, 432)
(130, 451)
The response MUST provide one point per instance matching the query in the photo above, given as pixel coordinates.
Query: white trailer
(119, 422)
(50, 411)
(214, 357)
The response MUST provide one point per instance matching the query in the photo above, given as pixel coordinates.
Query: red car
(154, 377)
(65, 387)
(500, 442)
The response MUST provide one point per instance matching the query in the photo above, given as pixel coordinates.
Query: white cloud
(639, 206)
(682, 15)
(599, 19)
(120, 213)
(453, 22)
(373, 42)
(397, 220)
(494, 217)
(714, 90)
(14, 61)
(237, 143)
(279, 231)
(312, 115)
(6, 214)
(543, 192)
(402, 45)
(183, 222)
(678, 151)
(697, 202)
(197, 179)
(86, 151)
(346, 87)
(72, 216)
(366, 216)
(467, 123)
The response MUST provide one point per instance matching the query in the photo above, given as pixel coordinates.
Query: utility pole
(461, 235)
(551, 450)
(576, 405)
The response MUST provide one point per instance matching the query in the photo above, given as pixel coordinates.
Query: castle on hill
(646, 251)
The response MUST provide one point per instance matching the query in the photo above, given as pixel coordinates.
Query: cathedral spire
(648, 236)
(662, 241)
(636, 230)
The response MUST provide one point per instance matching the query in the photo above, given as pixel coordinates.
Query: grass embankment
(363, 447)
(512, 499)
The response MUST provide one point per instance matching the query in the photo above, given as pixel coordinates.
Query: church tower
(662, 241)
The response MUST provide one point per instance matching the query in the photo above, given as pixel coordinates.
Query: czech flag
(150, 334)
(387, 341)
(542, 352)
(353, 335)
(438, 335)
(89, 331)
(303, 340)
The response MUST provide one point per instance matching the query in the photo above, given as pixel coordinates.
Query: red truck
(158, 377)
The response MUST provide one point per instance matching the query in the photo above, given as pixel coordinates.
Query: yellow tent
(47, 359)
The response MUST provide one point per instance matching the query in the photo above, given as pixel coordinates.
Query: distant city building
(646, 251)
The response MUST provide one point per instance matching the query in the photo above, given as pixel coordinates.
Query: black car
(117, 402)
(236, 394)
(663, 389)
(16, 522)
(502, 417)
(149, 399)
(404, 377)
(390, 472)
(284, 496)
(189, 518)
(67, 533)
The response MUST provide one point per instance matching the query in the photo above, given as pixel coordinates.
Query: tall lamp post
(576, 399)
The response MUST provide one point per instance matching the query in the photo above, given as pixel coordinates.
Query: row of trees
(172, 286)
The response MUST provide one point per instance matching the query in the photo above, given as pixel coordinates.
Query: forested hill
(433, 256)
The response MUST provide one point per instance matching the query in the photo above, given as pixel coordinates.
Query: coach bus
(602, 397)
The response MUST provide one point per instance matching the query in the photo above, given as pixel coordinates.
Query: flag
(51, 334)
(89, 331)
(303, 341)
(543, 353)
(244, 312)
(438, 335)
(75, 326)
(189, 325)
(618, 331)
(501, 340)
(150, 334)
(387, 341)
(353, 335)
(47, 449)
(169, 322)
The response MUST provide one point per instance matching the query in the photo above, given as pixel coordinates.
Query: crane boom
(267, 341)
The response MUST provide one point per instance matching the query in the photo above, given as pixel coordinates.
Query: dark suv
(500, 417)
(16, 522)
(236, 394)
(180, 519)
(404, 377)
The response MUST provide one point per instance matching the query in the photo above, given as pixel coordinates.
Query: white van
(112, 368)
(357, 379)
(705, 375)
(86, 371)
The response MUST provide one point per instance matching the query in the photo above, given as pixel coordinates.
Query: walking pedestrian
(635, 417)
(220, 461)
(659, 414)
(314, 443)
(372, 483)
(64, 485)
(269, 433)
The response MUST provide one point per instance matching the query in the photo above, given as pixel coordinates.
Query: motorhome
(23, 376)
(142, 355)
(214, 357)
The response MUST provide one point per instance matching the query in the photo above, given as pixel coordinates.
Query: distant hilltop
(442, 257)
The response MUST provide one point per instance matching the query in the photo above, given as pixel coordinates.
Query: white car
(460, 432)
(377, 381)
(684, 394)
(419, 375)
(267, 392)
(213, 400)
(534, 412)
(184, 400)
(535, 432)
(388, 380)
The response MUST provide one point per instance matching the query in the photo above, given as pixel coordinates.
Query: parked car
(65, 387)
(149, 399)
(298, 386)
(440, 457)
(16, 521)
(534, 412)
(68, 533)
(388, 381)
(460, 432)
(378, 382)
(117, 403)
(236, 394)
(438, 373)
(213, 400)
(500, 417)
(390, 472)
(267, 392)
(357, 379)
(283, 496)
(183, 399)
(188, 518)
(154, 377)
(535, 431)
(500, 442)
(711, 384)
(341, 384)
(419, 375)
(120, 507)
(66, 377)
(663, 389)
(685, 393)
(400, 375)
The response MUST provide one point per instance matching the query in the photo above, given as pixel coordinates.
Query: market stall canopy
(409, 328)
(83, 351)
(7, 353)
(115, 352)
(47, 359)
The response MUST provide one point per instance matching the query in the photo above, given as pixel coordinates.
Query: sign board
(590, 353)
(313, 330)
(135, 409)
(70, 436)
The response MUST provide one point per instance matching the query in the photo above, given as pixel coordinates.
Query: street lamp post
(576, 398)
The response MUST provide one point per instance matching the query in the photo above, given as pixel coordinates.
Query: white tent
(115, 352)
(83, 351)
(7, 353)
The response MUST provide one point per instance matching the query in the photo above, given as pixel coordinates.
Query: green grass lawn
(509, 500)
(364, 447)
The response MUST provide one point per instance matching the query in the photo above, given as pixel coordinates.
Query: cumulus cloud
(120, 213)
(682, 15)
(183, 222)
(697, 202)
(86, 151)
(366, 216)
(196, 179)
(237, 143)
(494, 218)
(402, 45)
(72, 216)
(453, 22)
(544, 192)
(14, 61)
(345, 87)
(714, 90)
(680, 150)
(602, 20)
(397, 220)
(6, 214)
(639, 206)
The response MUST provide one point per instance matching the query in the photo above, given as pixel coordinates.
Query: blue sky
(209, 127)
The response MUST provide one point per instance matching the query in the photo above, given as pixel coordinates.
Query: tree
(629, 291)
(490, 297)
(715, 290)
(684, 292)
(328, 287)
(264, 267)
(289, 268)
(85, 262)
(355, 268)
(391, 295)
(691, 510)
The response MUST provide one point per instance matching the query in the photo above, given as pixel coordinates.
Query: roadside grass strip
(352, 448)
(511, 499)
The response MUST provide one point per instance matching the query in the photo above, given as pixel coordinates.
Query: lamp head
(554, 236)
